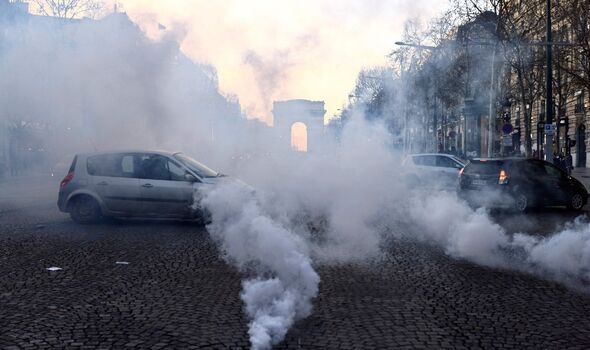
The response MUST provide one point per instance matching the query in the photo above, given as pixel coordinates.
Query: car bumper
(489, 197)
(61, 202)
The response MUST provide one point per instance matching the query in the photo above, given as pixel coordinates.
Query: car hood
(223, 179)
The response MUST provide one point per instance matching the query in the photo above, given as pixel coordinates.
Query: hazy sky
(267, 50)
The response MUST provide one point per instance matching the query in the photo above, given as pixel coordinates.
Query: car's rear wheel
(521, 202)
(85, 210)
(576, 202)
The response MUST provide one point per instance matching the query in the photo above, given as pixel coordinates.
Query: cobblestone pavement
(177, 293)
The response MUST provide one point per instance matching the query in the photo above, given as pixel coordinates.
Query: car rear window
(484, 167)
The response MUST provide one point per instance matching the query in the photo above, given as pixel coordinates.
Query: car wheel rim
(577, 201)
(85, 209)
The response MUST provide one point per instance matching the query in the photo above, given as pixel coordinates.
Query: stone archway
(288, 113)
(299, 137)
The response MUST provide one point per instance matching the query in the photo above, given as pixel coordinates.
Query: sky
(268, 50)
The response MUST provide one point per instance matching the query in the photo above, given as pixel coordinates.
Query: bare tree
(69, 9)
(469, 10)
(520, 28)
(576, 60)
(407, 63)
(563, 83)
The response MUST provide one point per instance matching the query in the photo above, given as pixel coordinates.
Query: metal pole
(464, 136)
(434, 119)
(491, 117)
(549, 97)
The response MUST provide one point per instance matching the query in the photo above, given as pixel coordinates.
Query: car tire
(204, 218)
(85, 210)
(576, 202)
(521, 202)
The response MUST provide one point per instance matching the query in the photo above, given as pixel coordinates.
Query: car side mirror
(190, 178)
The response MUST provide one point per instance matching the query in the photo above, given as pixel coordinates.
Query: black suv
(520, 183)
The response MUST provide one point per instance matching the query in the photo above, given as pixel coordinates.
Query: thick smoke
(103, 85)
(347, 207)
(99, 85)
(564, 257)
(272, 71)
(284, 280)
(472, 235)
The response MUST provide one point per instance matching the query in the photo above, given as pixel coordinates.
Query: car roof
(434, 154)
(159, 152)
(496, 158)
(503, 159)
(455, 157)
(430, 154)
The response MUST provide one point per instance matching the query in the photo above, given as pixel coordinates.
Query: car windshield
(200, 169)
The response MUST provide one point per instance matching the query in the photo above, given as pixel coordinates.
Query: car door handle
(102, 183)
(147, 185)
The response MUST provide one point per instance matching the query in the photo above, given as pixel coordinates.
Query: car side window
(447, 162)
(424, 160)
(154, 167)
(127, 166)
(552, 171)
(176, 172)
(111, 165)
(97, 166)
(536, 169)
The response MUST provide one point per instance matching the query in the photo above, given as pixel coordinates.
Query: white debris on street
(54, 268)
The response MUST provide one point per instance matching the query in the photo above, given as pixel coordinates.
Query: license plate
(478, 182)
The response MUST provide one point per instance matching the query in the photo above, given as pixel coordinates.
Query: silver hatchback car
(133, 184)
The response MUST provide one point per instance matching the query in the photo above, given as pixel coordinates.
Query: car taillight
(461, 171)
(67, 179)
(503, 178)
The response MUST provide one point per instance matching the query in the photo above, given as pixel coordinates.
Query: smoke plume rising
(346, 207)
(285, 282)
(107, 86)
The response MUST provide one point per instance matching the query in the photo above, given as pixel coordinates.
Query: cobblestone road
(176, 292)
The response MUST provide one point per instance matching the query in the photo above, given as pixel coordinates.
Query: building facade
(570, 97)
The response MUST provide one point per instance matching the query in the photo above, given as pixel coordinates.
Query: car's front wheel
(85, 210)
(521, 202)
(576, 202)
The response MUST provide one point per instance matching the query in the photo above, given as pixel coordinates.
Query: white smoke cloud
(335, 206)
(349, 34)
(345, 207)
(564, 256)
(251, 239)
(101, 85)
(472, 235)
(465, 233)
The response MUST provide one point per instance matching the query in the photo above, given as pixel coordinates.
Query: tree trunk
(527, 129)
(528, 142)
